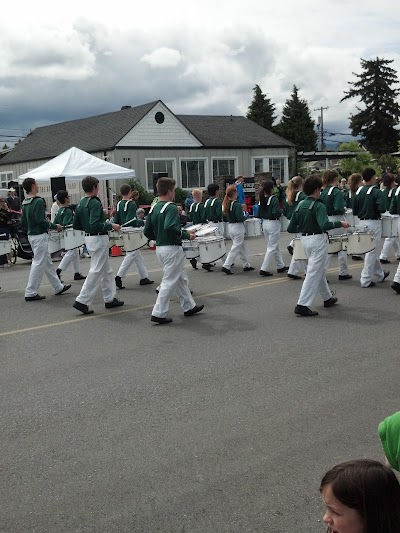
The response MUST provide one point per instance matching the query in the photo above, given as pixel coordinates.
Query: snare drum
(73, 238)
(389, 225)
(207, 230)
(252, 228)
(54, 242)
(133, 239)
(349, 217)
(5, 247)
(211, 249)
(191, 249)
(358, 242)
(284, 223)
(335, 244)
(298, 250)
(115, 238)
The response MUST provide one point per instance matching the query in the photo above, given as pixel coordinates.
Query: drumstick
(129, 221)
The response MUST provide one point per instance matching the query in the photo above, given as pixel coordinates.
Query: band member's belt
(94, 234)
(307, 234)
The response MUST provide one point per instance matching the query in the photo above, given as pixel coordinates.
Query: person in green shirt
(334, 202)
(294, 195)
(234, 215)
(36, 224)
(390, 242)
(389, 433)
(213, 208)
(197, 215)
(163, 226)
(90, 217)
(311, 220)
(126, 215)
(369, 203)
(394, 209)
(65, 217)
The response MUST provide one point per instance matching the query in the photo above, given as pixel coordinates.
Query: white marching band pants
(342, 256)
(41, 264)
(72, 256)
(133, 257)
(272, 231)
(238, 248)
(316, 250)
(372, 270)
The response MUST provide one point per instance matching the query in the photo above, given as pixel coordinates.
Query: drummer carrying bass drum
(311, 220)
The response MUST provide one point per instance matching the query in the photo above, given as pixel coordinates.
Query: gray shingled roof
(103, 132)
(231, 132)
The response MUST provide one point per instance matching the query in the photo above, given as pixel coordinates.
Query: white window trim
(173, 159)
(234, 157)
(206, 171)
(266, 159)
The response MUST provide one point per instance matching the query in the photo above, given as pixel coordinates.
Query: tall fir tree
(376, 122)
(296, 124)
(261, 110)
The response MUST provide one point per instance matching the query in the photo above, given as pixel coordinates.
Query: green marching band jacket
(235, 213)
(34, 219)
(310, 217)
(163, 225)
(334, 202)
(213, 209)
(197, 213)
(90, 217)
(271, 210)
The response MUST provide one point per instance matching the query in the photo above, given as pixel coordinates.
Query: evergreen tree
(261, 110)
(376, 122)
(296, 124)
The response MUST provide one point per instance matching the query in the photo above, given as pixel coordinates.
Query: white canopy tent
(75, 164)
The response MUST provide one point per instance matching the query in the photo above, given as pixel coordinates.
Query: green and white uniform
(197, 213)
(65, 217)
(235, 218)
(271, 214)
(389, 242)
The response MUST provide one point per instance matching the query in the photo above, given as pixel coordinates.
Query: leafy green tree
(145, 197)
(376, 122)
(261, 110)
(358, 163)
(296, 124)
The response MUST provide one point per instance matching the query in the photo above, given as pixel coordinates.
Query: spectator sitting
(141, 214)
(183, 218)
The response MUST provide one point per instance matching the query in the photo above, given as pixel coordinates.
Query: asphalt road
(221, 422)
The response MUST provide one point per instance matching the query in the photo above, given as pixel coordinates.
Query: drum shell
(211, 249)
(190, 249)
(335, 244)
(298, 250)
(252, 228)
(133, 239)
(389, 225)
(349, 217)
(115, 239)
(54, 242)
(284, 223)
(207, 230)
(359, 242)
(73, 238)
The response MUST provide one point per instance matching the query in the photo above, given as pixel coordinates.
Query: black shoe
(161, 320)
(248, 269)
(64, 289)
(304, 311)
(114, 303)
(196, 309)
(34, 298)
(356, 257)
(207, 267)
(226, 270)
(396, 287)
(330, 302)
(83, 308)
(193, 262)
(293, 276)
(345, 276)
(283, 269)
(384, 261)
(78, 277)
(58, 272)
(372, 284)
(290, 249)
(265, 273)
(144, 281)
(118, 282)
(385, 275)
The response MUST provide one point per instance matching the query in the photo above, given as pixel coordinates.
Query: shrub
(145, 197)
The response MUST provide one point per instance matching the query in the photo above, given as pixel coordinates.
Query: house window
(277, 167)
(258, 166)
(193, 173)
(5, 177)
(158, 165)
(223, 167)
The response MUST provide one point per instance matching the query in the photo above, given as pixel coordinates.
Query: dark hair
(125, 189)
(267, 189)
(27, 184)
(212, 189)
(311, 184)
(329, 176)
(62, 196)
(368, 173)
(370, 488)
(164, 185)
(387, 180)
(89, 183)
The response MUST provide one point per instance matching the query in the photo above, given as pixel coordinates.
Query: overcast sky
(65, 60)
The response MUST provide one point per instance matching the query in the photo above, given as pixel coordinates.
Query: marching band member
(270, 212)
(355, 181)
(388, 191)
(196, 214)
(90, 217)
(369, 204)
(36, 224)
(294, 195)
(126, 212)
(334, 202)
(213, 208)
(162, 225)
(311, 220)
(395, 210)
(65, 217)
(234, 215)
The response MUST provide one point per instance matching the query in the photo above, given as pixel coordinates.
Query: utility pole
(321, 125)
